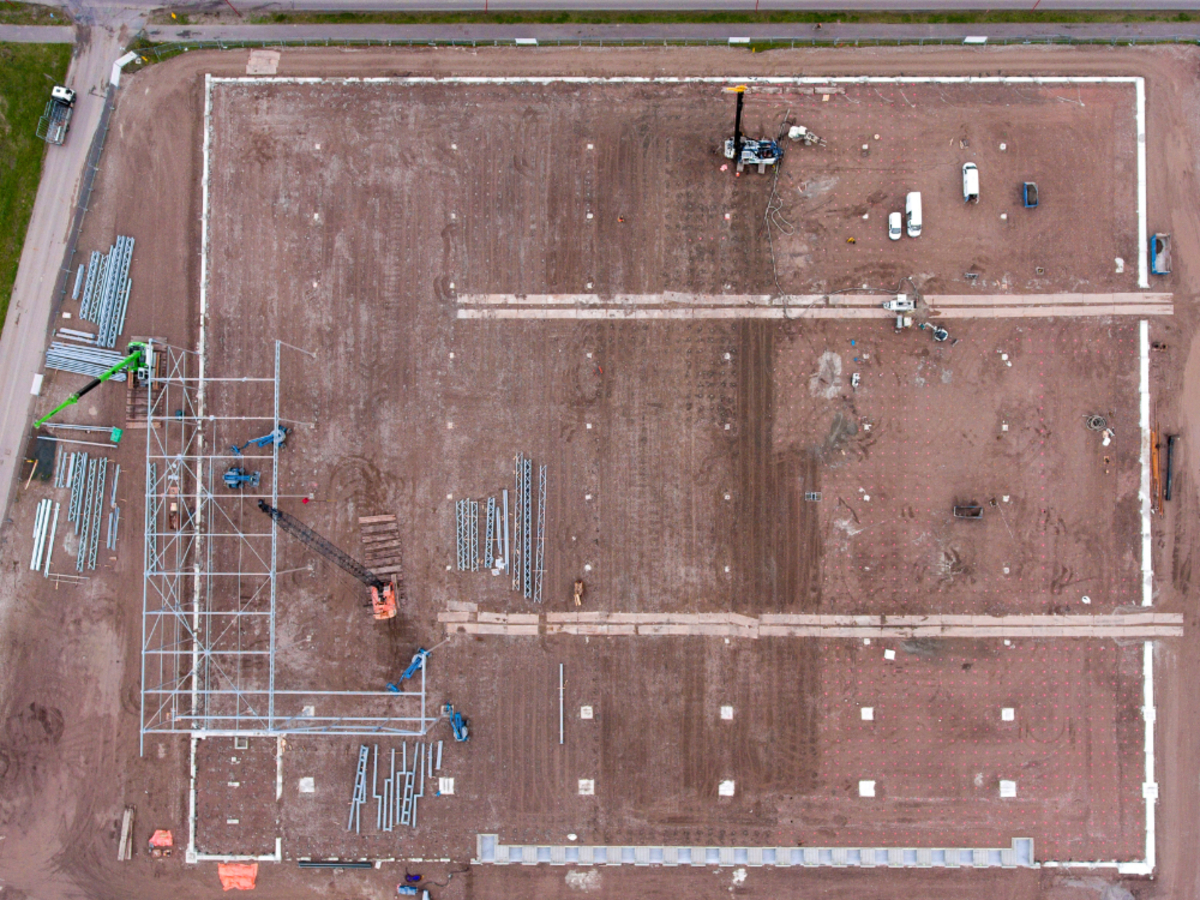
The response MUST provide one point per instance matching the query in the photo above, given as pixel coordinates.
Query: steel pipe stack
(41, 528)
(83, 360)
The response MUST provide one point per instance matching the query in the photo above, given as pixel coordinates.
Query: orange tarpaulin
(237, 876)
(162, 839)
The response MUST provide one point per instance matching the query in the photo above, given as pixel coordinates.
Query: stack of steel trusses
(527, 561)
(106, 291)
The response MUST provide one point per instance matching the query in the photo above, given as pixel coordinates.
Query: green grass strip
(27, 72)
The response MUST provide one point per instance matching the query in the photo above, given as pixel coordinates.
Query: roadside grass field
(27, 72)
(32, 14)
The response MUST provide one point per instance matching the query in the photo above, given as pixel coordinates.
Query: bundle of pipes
(45, 524)
(82, 360)
(106, 291)
(80, 337)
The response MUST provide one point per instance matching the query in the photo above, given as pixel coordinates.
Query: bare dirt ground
(71, 704)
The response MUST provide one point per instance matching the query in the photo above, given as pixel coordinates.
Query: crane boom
(135, 359)
(383, 594)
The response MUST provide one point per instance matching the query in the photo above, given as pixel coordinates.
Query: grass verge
(31, 14)
(27, 72)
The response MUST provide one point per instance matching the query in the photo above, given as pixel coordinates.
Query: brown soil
(657, 461)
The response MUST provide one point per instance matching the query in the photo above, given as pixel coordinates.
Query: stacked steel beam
(527, 561)
(83, 360)
(86, 506)
(106, 291)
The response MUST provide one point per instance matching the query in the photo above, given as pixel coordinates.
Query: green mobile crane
(138, 353)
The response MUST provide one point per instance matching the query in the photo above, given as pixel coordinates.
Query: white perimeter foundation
(1150, 787)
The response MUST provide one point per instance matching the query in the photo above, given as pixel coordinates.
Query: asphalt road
(652, 32)
(23, 340)
(90, 11)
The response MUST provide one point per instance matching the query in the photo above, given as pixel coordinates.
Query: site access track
(465, 620)
(674, 305)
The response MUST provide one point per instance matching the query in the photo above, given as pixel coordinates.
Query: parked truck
(1160, 254)
(56, 120)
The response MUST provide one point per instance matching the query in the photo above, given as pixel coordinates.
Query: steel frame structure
(209, 595)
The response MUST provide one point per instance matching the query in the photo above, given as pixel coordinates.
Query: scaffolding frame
(209, 595)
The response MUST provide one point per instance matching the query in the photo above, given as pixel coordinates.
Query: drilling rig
(747, 151)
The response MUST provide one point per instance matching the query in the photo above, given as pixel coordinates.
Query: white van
(912, 213)
(970, 183)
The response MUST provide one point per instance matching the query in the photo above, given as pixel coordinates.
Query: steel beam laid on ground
(489, 559)
(406, 807)
(375, 795)
(504, 551)
(97, 511)
(539, 564)
(527, 528)
(473, 535)
(50, 544)
(518, 518)
(93, 273)
(460, 534)
(360, 789)
(83, 523)
(79, 477)
(41, 522)
(114, 524)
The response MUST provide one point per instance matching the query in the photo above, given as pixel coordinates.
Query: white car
(970, 174)
(895, 226)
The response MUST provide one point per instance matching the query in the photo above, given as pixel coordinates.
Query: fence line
(161, 51)
(90, 169)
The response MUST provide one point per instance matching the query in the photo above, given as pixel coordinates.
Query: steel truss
(209, 587)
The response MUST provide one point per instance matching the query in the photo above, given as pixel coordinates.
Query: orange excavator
(384, 594)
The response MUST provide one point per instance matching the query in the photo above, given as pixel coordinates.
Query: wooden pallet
(137, 397)
(382, 553)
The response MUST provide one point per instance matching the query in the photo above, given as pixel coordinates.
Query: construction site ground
(350, 220)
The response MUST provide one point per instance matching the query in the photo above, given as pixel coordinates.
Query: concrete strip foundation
(489, 851)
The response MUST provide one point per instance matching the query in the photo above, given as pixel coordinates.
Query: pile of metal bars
(82, 360)
(528, 565)
(45, 524)
(106, 291)
(87, 477)
(396, 799)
